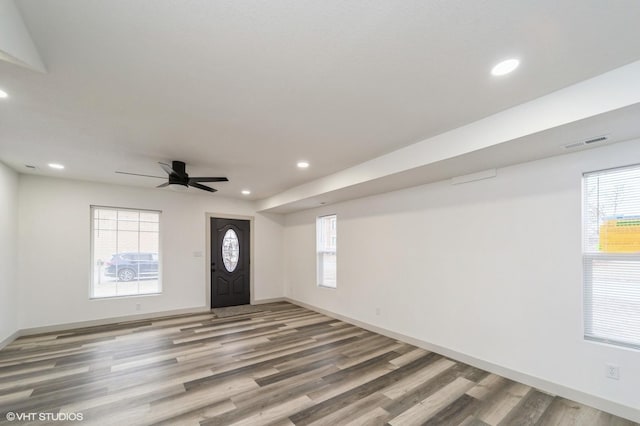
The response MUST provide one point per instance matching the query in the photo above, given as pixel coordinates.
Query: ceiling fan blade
(208, 179)
(167, 168)
(138, 174)
(203, 187)
(162, 185)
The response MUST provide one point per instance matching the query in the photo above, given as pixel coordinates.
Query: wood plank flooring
(283, 366)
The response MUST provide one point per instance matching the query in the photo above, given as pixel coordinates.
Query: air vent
(594, 140)
(29, 166)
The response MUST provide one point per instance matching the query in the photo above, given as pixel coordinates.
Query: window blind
(611, 256)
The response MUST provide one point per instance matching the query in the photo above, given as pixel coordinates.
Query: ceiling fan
(179, 179)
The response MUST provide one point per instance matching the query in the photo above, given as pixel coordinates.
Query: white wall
(489, 269)
(8, 248)
(54, 249)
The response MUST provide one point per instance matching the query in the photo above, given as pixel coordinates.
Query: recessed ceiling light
(56, 166)
(246, 192)
(3, 94)
(505, 67)
(303, 164)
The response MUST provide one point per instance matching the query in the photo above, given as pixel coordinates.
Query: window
(230, 250)
(326, 250)
(611, 256)
(124, 252)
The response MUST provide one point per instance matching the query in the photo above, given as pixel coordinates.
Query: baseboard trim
(10, 338)
(272, 300)
(111, 320)
(608, 406)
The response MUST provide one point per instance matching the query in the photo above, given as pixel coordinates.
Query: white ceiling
(247, 88)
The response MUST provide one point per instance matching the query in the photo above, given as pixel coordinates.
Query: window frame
(332, 226)
(93, 265)
(589, 257)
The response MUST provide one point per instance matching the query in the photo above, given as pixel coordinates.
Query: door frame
(208, 217)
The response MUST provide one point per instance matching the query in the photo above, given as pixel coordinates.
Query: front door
(229, 262)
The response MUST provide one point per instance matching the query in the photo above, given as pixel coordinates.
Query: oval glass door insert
(230, 250)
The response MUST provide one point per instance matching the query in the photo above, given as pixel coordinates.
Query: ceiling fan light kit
(177, 187)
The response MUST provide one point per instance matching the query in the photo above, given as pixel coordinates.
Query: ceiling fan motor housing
(180, 177)
(179, 167)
